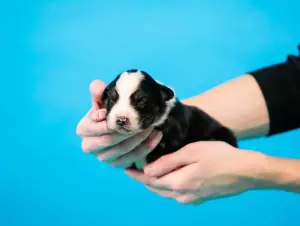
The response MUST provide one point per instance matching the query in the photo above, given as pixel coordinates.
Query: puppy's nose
(122, 121)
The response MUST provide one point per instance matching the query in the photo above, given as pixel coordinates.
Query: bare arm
(278, 173)
(250, 106)
(247, 115)
(263, 102)
(238, 104)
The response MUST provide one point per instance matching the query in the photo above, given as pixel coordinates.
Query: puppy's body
(135, 102)
(187, 124)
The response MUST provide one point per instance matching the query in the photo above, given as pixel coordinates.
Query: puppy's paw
(99, 115)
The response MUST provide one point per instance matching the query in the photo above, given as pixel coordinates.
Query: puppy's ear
(166, 93)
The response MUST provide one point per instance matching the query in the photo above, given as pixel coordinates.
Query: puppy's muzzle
(122, 121)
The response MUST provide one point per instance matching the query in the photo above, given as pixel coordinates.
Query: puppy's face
(135, 102)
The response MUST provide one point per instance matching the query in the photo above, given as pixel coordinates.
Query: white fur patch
(170, 104)
(126, 85)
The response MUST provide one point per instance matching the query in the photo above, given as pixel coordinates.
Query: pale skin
(200, 171)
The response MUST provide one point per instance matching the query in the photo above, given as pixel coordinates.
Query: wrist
(284, 173)
(267, 172)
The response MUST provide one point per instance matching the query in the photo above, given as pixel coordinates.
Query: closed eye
(141, 103)
(114, 95)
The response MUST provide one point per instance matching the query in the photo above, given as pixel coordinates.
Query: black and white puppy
(135, 101)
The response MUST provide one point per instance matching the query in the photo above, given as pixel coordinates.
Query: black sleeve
(280, 85)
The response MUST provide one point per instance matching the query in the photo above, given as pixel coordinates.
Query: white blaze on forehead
(126, 85)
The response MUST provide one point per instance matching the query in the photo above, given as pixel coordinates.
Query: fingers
(96, 89)
(188, 198)
(88, 127)
(99, 115)
(163, 193)
(147, 180)
(183, 198)
(126, 146)
(93, 145)
(139, 176)
(140, 151)
(168, 163)
(181, 180)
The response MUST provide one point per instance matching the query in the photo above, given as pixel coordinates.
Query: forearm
(238, 104)
(267, 172)
(267, 102)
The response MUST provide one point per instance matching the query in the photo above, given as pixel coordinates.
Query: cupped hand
(200, 172)
(110, 146)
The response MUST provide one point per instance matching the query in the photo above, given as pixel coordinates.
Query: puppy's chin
(126, 131)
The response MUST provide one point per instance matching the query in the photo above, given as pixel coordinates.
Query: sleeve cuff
(280, 85)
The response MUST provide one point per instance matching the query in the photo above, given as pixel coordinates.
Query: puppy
(135, 101)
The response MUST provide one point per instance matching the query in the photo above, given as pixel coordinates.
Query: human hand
(200, 172)
(109, 146)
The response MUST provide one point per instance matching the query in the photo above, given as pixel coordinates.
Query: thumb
(96, 89)
(170, 162)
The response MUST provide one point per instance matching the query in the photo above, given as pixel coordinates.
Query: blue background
(52, 50)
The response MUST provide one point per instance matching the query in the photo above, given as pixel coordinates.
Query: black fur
(187, 124)
(184, 125)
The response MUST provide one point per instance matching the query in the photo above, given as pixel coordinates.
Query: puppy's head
(135, 102)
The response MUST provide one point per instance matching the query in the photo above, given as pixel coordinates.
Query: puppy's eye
(141, 103)
(114, 95)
